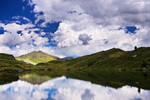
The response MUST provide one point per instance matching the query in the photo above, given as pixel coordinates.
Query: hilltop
(36, 57)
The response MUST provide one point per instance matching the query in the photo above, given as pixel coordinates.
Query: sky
(73, 27)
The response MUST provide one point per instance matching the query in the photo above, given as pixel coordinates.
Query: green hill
(10, 68)
(36, 57)
(6, 57)
(8, 63)
(115, 59)
(113, 67)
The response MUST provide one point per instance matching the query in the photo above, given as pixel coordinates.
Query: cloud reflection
(63, 88)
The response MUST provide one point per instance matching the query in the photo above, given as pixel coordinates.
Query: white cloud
(98, 20)
(99, 38)
(16, 44)
(104, 12)
(54, 10)
(68, 89)
(87, 26)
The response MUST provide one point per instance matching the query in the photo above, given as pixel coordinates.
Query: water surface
(63, 88)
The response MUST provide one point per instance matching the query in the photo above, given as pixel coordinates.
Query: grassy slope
(10, 68)
(36, 57)
(112, 67)
(114, 59)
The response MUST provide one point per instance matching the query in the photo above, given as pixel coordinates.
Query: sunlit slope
(36, 57)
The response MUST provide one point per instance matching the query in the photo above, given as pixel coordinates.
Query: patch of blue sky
(131, 29)
(11, 8)
(2, 30)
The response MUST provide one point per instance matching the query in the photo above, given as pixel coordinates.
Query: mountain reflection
(63, 88)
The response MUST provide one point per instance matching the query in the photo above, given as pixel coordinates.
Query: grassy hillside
(8, 63)
(6, 57)
(36, 57)
(115, 59)
(10, 68)
(113, 67)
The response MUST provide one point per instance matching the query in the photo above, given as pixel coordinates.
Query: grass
(113, 67)
(41, 60)
(116, 54)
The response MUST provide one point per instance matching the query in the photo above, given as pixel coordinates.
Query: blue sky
(57, 26)
(17, 8)
(12, 10)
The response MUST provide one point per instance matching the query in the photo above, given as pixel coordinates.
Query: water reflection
(68, 89)
(34, 78)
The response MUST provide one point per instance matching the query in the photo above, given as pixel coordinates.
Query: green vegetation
(36, 57)
(113, 67)
(6, 57)
(10, 68)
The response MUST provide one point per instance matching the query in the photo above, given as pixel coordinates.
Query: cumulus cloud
(86, 26)
(94, 25)
(84, 38)
(106, 12)
(97, 38)
(68, 89)
(17, 44)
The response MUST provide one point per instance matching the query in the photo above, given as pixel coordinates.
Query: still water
(63, 88)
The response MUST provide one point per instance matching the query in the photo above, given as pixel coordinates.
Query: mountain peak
(36, 57)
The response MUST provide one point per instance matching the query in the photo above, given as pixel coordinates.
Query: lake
(62, 88)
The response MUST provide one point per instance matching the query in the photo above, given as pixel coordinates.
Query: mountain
(113, 67)
(36, 57)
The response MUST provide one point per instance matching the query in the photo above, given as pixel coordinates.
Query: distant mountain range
(36, 57)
